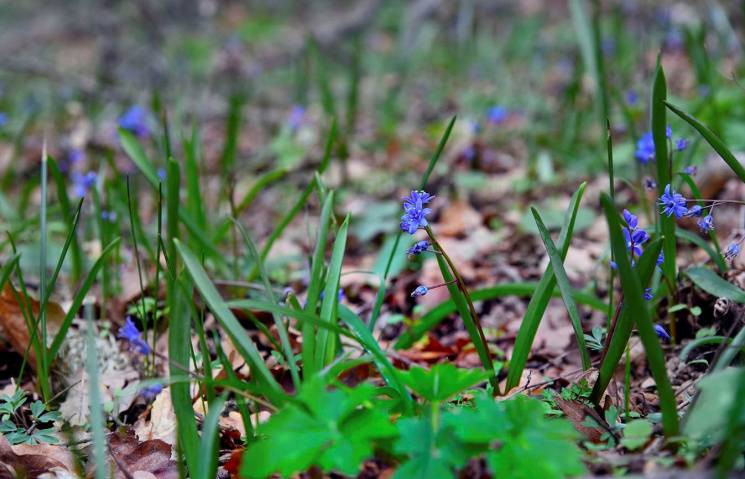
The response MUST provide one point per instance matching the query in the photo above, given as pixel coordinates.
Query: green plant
(26, 425)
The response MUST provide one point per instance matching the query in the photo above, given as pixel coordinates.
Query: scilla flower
(419, 247)
(681, 144)
(645, 148)
(648, 294)
(134, 120)
(415, 214)
(706, 224)
(149, 392)
(131, 334)
(420, 290)
(83, 182)
(661, 332)
(732, 251)
(673, 203)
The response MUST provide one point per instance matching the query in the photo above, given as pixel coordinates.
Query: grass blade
(209, 444)
(634, 301)
(75, 254)
(624, 326)
(523, 289)
(712, 283)
(564, 287)
(326, 343)
(716, 143)
(78, 299)
(227, 320)
(539, 301)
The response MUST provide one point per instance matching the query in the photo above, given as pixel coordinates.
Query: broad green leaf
(712, 283)
(442, 381)
(707, 420)
(636, 434)
(431, 453)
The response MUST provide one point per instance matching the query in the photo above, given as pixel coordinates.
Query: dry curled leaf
(33, 461)
(153, 456)
(13, 325)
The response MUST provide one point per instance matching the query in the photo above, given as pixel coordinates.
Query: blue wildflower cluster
(675, 204)
(83, 182)
(635, 237)
(419, 247)
(645, 145)
(497, 114)
(415, 214)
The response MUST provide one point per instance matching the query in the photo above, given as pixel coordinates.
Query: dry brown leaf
(152, 457)
(161, 423)
(576, 412)
(33, 461)
(13, 324)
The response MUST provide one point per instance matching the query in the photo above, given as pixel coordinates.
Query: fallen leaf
(577, 413)
(33, 461)
(160, 423)
(13, 324)
(153, 456)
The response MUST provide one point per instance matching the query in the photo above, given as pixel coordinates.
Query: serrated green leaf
(636, 434)
(431, 453)
(442, 381)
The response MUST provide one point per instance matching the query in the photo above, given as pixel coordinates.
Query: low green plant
(26, 424)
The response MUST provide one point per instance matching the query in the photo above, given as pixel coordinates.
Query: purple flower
(732, 251)
(668, 132)
(650, 184)
(631, 97)
(630, 219)
(131, 334)
(613, 264)
(149, 392)
(419, 247)
(420, 290)
(695, 210)
(634, 240)
(134, 120)
(109, 216)
(339, 294)
(497, 114)
(161, 174)
(681, 144)
(648, 294)
(674, 203)
(661, 333)
(706, 224)
(84, 182)
(3, 118)
(645, 148)
(660, 259)
(690, 170)
(296, 116)
(415, 214)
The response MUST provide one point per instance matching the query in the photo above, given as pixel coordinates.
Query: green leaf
(209, 445)
(712, 283)
(539, 301)
(636, 434)
(634, 301)
(707, 420)
(713, 140)
(565, 288)
(529, 445)
(442, 381)
(334, 430)
(432, 453)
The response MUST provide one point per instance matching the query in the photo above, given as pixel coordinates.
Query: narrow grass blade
(432, 317)
(78, 299)
(539, 301)
(564, 287)
(634, 301)
(76, 254)
(425, 179)
(227, 320)
(701, 243)
(316, 283)
(716, 143)
(302, 200)
(284, 337)
(96, 404)
(43, 361)
(194, 200)
(386, 368)
(261, 182)
(664, 169)
(209, 444)
(624, 325)
(712, 283)
(325, 342)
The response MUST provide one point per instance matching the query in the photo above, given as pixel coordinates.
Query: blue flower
(497, 114)
(3, 118)
(134, 120)
(661, 333)
(420, 290)
(339, 294)
(613, 264)
(681, 144)
(674, 203)
(419, 247)
(84, 182)
(161, 174)
(634, 240)
(690, 170)
(131, 334)
(296, 116)
(660, 259)
(631, 97)
(732, 251)
(109, 216)
(706, 224)
(650, 184)
(645, 148)
(695, 210)
(668, 132)
(149, 392)
(415, 214)
(648, 294)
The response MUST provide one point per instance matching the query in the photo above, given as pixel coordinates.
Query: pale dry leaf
(33, 461)
(160, 423)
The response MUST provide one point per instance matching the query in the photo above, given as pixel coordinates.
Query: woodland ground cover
(371, 239)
